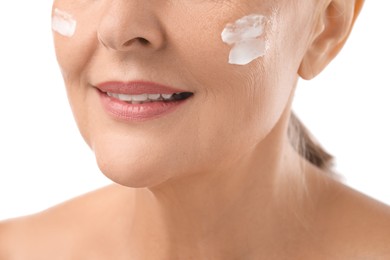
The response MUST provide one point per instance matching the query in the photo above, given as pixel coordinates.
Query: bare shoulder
(73, 226)
(354, 225)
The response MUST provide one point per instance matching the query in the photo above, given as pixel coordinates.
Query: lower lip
(138, 112)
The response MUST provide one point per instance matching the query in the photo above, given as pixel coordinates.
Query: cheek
(74, 40)
(73, 54)
(242, 100)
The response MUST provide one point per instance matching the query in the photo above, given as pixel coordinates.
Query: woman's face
(175, 43)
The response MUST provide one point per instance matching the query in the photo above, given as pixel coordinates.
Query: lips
(139, 100)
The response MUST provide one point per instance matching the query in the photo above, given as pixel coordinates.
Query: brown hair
(307, 146)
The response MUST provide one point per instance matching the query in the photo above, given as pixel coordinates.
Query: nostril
(141, 40)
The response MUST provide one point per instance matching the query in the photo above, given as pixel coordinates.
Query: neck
(232, 212)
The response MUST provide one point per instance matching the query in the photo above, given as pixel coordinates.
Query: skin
(217, 178)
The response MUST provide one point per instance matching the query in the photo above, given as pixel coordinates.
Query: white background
(44, 161)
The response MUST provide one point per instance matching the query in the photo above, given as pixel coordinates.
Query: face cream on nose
(245, 35)
(63, 23)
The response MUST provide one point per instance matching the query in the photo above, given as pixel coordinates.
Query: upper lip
(136, 88)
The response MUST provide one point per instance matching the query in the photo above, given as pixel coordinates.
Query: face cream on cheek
(63, 23)
(245, 35)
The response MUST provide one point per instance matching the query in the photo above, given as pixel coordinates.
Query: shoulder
(354, 225)
(73, 226)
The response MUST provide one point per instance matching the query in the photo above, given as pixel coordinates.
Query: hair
(307, 146)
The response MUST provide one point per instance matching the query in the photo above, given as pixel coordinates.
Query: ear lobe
(334, 26)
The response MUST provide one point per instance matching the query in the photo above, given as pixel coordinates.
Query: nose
(126, 25)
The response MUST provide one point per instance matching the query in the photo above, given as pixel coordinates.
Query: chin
(134, 173)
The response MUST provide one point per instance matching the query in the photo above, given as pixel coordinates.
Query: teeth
(154, 96)
(166, 96)
(137, 99)
(124, 97)
(113, 95)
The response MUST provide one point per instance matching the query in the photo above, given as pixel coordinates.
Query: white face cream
(245, 35)
(63, 23)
